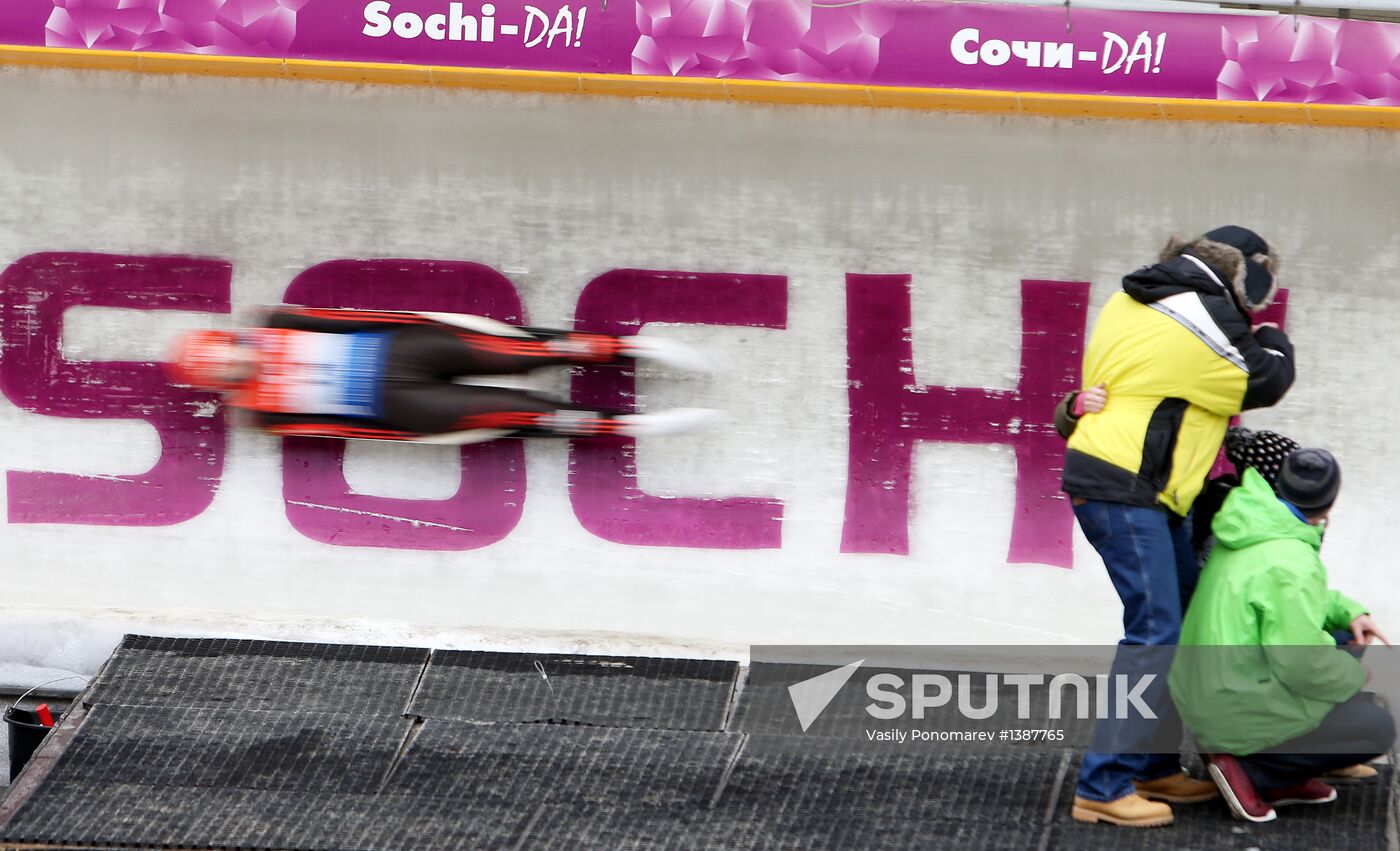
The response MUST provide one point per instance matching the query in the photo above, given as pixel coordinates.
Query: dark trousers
(418, 394)
(1353, 732)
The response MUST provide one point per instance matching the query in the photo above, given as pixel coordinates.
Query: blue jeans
(1154, 570)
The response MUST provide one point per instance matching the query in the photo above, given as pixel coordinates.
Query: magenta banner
(1276, 58)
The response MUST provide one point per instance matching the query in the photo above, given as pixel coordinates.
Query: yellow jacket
(1179, 359)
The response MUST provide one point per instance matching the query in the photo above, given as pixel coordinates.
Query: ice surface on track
(552, 191)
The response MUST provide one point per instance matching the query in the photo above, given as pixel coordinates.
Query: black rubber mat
(675, 694)
(565, 828)
(142, 816)
(232, 748)
(458, 783)
(273, 675)
(182, 747)
(545, 763)
(908, 784)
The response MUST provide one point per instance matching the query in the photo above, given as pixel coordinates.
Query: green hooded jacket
(1257, 666)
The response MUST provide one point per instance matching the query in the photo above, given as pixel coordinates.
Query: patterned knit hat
(1262, 450)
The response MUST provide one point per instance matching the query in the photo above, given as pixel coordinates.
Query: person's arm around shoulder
(1269, 355)
(1076, 405)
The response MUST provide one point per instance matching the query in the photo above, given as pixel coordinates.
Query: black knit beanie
(1310, 479)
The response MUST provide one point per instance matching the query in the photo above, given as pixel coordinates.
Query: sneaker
(1238, 789)
(1359, 773)
(674, 421)
(1179, 788)
(1312, 792)
(1132, 810)
(665, 352)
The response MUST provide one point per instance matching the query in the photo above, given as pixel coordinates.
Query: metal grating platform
(475, 763)
(616, 691)
(273, 675)
(898, 784)
(652, 828)
(128, 814)
(257, 745)
(234, 748)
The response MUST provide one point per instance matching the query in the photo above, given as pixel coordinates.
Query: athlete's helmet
(207, 359)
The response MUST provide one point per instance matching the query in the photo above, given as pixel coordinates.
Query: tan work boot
(1359, 773)
(1179, 788)
(1128, 811)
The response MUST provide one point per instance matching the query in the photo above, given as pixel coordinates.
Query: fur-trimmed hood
(1246, 263)
(1174, 276)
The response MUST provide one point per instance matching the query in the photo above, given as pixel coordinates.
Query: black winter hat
(1260, 264)
(1310, 479)
(1262, 450)
(1246, 264)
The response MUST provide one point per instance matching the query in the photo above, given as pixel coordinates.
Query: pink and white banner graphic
(1276, 58)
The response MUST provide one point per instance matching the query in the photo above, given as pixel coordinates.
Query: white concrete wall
(553, 191)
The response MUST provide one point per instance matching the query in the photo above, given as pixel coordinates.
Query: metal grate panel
(678, 694)
(274, 675)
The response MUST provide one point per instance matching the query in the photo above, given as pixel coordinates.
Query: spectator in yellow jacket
(1178, 356)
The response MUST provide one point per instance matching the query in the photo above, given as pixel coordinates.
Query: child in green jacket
(1258, 678)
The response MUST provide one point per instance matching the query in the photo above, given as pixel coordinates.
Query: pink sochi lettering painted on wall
(34, 375)
(890, 413)
(603, 472)
(487, 504)
(1278, 58)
